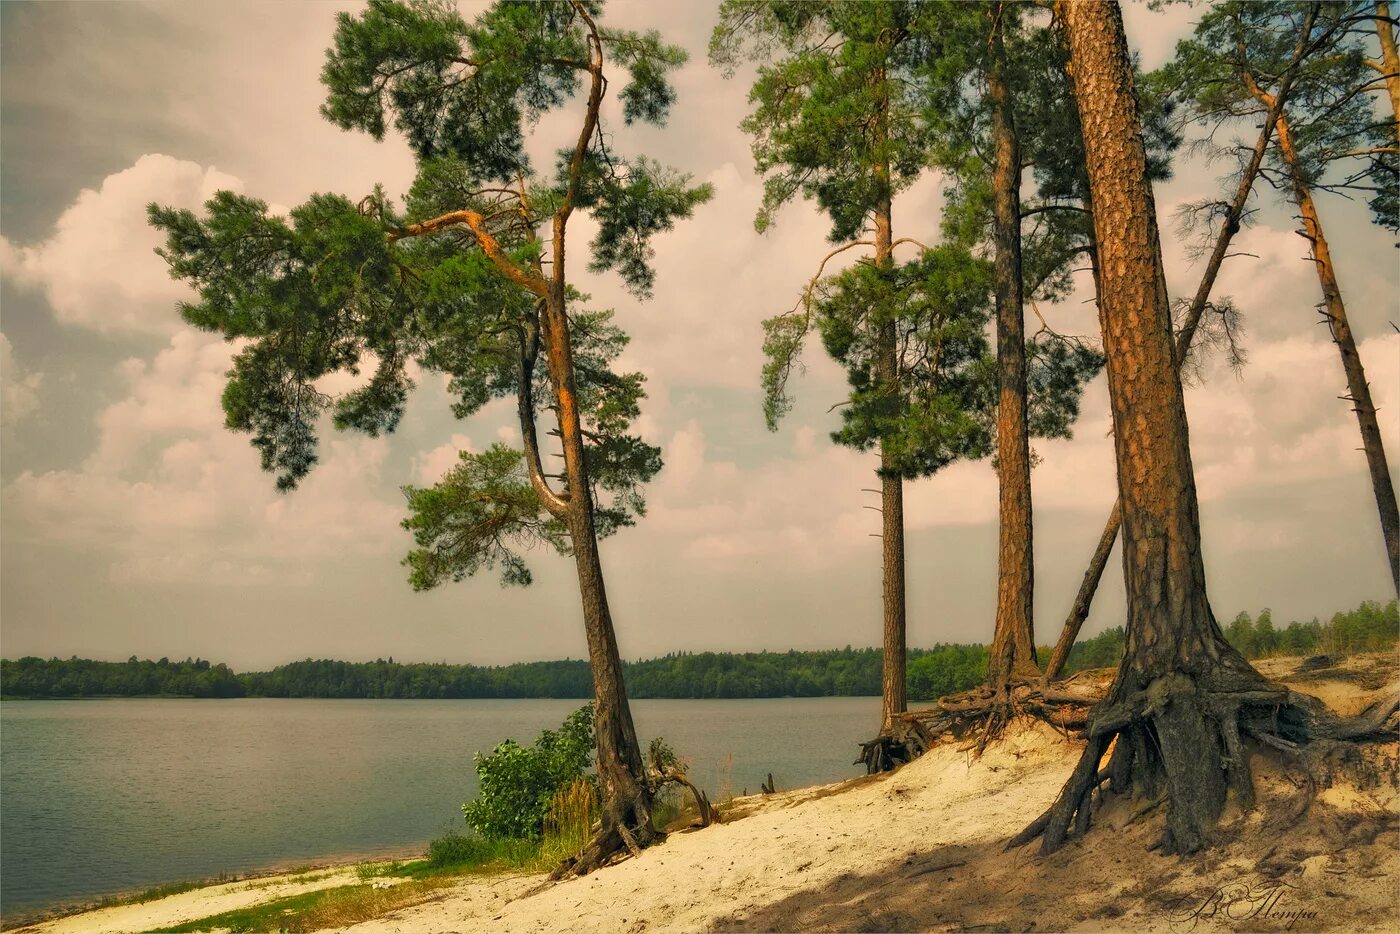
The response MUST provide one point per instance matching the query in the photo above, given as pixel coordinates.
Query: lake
(105, 796)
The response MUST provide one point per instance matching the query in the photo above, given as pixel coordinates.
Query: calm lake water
(105, 796)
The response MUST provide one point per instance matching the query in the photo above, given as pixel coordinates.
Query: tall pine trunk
(893, 692)
(1013, 642)
(1160, 703)
(1229, 226)
(1358, 390)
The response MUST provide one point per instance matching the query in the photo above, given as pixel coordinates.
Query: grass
(449, 858)
(327, 908)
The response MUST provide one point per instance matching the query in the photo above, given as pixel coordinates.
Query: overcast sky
(134, 523)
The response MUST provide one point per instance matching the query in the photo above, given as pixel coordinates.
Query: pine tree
(837, 119)
(1183, 699)
(998, 104)
(469, 280)
(1169, 87)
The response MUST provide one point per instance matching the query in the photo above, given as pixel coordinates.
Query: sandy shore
(923, 849)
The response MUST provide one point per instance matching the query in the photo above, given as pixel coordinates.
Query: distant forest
(841, 672)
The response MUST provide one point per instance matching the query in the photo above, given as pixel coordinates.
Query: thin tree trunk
(1174, 647)
(893, 686)
(1013, 641)
(1079, 612)
(1359, 391)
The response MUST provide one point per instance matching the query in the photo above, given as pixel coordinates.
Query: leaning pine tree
(1184, 704)
(469, 281)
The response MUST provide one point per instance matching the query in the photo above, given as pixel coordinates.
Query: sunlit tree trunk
(1013, 642)
(1175, 652)
(1390, 60)
(1190, 323)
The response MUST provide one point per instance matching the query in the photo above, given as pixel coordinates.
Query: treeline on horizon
(932, 673)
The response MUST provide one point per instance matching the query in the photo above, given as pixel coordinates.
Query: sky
(132, 522)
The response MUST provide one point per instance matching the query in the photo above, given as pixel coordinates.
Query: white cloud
(98, 269)
(430, 466)
(19, 388)
(1282, 423)
(173, 495)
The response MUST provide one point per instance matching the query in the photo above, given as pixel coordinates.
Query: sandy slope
(921, 849)
(194, 904)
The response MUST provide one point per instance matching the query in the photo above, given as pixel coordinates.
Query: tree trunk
(1390, 60)
(626, 798)
(1079, 612)
(1359, 391)
(1178, 673)
(893, 686)
(1013, 642)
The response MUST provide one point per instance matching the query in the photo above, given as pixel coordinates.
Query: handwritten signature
(1263, 900)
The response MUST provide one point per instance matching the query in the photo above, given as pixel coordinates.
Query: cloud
(1281, 422)
(97, 268)
(171, 494)
(430, 466)
(19, 388)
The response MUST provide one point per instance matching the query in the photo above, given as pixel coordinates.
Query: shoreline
(25, 918)
(920, 848)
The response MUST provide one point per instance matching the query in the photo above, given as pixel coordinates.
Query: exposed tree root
(627, 830)
(1183, 740)
(981, 715)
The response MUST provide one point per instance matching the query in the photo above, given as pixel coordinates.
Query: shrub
(454, 849)
(518, 783)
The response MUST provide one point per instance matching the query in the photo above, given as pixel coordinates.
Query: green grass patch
(313, 911)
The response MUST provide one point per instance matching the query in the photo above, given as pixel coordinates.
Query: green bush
(519, 782)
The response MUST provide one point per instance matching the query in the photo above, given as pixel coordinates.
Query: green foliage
(825, 69)
(837, 119)
(460, 850)
(947, 669)
(340, 286)
(80, 677)
(1342, 143)
(1368, 628)
(518, 783)
(480, 514)
(938, 306)
(1104, 650)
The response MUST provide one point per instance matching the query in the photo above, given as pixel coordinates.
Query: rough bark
(1229, 226)
(893, 686)
(1179, 678)
(1390, 60)
(626, 799)
(1013, 641)
(625, 820)
(1335, 312)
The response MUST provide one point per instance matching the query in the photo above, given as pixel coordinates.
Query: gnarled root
(981, 715)
(627, 829)
(1186, 737)
(622, 829)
